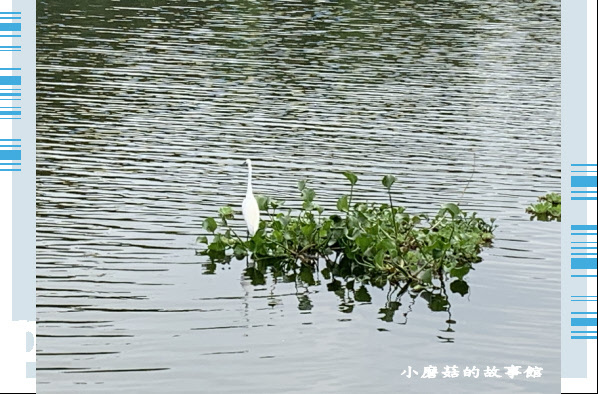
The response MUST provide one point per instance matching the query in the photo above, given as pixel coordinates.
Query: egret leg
(247, 257)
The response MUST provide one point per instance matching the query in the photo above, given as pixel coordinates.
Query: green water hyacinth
(547, 208)
(378, 243)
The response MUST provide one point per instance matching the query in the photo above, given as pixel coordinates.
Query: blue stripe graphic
(10, 80)
(583, 181)
(10, 27)
(583, 321)
(584, 227)
(10, 154)
(583, 264)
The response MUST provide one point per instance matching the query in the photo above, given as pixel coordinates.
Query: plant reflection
(351, 291)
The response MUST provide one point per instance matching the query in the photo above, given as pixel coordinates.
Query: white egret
(251, 211)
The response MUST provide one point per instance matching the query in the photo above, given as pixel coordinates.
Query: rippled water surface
(146, 109)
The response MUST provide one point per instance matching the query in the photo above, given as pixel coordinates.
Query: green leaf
(426, 276)
(379, 258)
(307, 205)
(437, 253)
(453, 209)
(239, 252)
(308, 194)
(323, 231)
(343, 204)
(460, 287)
(226, 212)
(362, 295)
(301, 184)
(438, 303)
(388, 181)
(256, 276)
(460, 272)
(307, 276)
(210, 225)
(363, 242)
(217, 244)
(262, 202)
(276, 203)
(284, 219)
(278, 236)
(308, 229)
(217, 255)
(351, 177)
(335, 285)
(389, 312)
(202, 239)
(386, 244)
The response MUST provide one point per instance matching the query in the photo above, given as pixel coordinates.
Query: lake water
(146, 111)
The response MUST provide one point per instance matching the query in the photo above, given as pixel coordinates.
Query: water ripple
(145, 111)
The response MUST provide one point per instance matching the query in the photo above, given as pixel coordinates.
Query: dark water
(146, 109)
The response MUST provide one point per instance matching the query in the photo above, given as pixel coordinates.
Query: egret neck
(249, 189)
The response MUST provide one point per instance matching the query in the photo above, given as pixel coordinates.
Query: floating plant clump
(547, 208)
(374, 243)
